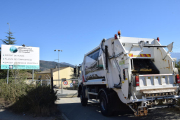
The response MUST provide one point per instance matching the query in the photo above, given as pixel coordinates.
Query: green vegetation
(10, 92)
(3, 73)
(22, 98)
(10, 40)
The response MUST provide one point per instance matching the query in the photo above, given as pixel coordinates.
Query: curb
(66, 95)
(64, 116)
(177, 106)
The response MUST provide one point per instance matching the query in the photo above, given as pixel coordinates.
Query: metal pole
(33, 75)
(9, 26)
(7, 75)
(61, 87)
(59, 74)
(58, 70)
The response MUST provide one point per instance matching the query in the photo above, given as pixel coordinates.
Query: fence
(62, 84)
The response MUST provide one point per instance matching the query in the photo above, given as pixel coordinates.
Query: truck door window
(93, 63)
(94, 55)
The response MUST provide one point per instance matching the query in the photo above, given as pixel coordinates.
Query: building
(64, 73)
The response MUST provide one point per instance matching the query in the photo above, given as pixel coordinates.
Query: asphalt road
(73, 110)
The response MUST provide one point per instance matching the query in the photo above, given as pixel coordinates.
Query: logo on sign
(13, 49)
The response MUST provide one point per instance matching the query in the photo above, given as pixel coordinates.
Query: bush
(12, 91)
(38, 101)
(31, 98)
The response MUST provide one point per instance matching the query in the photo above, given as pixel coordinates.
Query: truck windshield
(143, 66)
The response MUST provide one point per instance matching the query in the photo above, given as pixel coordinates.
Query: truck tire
(104, 105)
(83, 99)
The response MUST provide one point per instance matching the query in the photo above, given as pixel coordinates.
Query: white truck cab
(126, 71)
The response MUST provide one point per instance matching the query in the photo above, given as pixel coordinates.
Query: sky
(78, 26)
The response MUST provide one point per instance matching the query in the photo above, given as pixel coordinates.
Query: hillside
(51, 64)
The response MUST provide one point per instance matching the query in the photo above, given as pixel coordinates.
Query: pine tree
(10, 40)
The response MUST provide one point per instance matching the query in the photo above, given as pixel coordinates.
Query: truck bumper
(146, 99)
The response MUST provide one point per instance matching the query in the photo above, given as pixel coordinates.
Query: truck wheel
(83, 99)
(104, 105)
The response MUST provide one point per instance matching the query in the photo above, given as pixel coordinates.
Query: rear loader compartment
(143, 66)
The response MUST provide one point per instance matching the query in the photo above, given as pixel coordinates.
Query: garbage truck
(128, 73)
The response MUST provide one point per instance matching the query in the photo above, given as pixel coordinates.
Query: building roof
(49, 70)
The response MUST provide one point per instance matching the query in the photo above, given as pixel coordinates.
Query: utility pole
(59, 71)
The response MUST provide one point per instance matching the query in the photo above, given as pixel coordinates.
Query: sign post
(7, 75)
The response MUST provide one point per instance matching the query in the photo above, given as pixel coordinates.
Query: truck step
(117, 86)
(93, 93)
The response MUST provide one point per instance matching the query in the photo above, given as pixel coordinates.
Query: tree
(2, 72)
(10, 40)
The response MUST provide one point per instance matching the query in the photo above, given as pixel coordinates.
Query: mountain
(44, 65)
(175, 55)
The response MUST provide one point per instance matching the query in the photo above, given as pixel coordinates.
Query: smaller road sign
(71, 84)
(65, 82)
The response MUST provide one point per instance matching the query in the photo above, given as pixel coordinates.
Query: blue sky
(77, 26)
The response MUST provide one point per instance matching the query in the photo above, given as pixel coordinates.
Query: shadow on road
(8, 115)
(75, 111)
